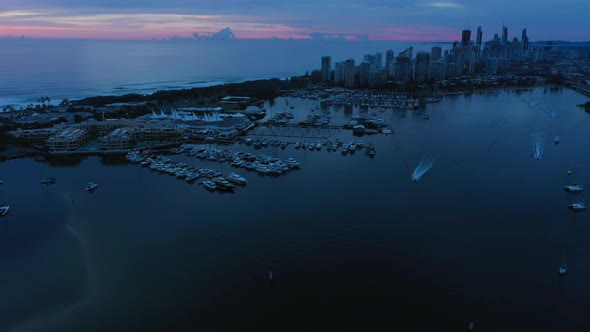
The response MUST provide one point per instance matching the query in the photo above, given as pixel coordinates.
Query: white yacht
(352, 147)
(236, 178)
(48, 180)
(91, 186)
(563, 269)
(344, 148)
(209, 185)
(579, 206)
(318, 146)
(4, 209)
(574, 188)
(297, 145)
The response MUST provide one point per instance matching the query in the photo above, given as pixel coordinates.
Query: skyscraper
(339, 72)
(435, 53)
(422, 65)
(349, 70)
(466, 38)
(478, 36)
(326, 68)
(524, 40)
(388, 61)
(504, 35)
(378, 61)
(364, 73)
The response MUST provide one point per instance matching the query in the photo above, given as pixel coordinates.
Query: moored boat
(48, 180)
(209, 185)
(236, 178)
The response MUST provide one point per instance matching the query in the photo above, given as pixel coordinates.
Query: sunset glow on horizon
(305, 19)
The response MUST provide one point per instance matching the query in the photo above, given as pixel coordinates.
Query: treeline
(259, 89)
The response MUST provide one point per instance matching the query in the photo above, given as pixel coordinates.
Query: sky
(410, 20)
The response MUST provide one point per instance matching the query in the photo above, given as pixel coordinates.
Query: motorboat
(471, 326)
(4, 209)
(562, 269)
(574, 188)
(556, 140)
(91, 186)
(209, 185)
(579, 206)
(425, 117)
(48, 180)
(297, 145)
(318, 146)
(236, 178)
(344, 148)
(223, 184)
(352, 147)
(249, 141)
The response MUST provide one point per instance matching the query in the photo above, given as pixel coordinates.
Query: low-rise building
(118, 139)
(67, 140)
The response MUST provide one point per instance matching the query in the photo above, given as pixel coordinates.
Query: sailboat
(433, 99)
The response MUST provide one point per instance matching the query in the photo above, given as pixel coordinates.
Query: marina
(437, 201)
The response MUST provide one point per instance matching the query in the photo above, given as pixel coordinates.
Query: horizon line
(260, 39)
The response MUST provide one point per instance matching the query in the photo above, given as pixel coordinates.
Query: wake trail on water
(538, 146)
(423, 167)
(48, 320)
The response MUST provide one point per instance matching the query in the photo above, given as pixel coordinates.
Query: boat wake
(423, 167)
(538, 146)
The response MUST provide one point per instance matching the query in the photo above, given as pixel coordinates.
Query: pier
(585, 90)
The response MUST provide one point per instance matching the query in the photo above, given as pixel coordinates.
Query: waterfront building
(378, 78)
(377, 61)
(422, 65)
(492, 66)
(37, 135)
(451, 69)
(403, 69)
(69, 139)
(339, 72)
(389, 62)
(370, 59)
(349, 71)
(118, 139)
(437, 70)
(326, 68)
(435, 53)
(364, 74)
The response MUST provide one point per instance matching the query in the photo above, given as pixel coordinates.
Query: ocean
(31, 69)
(353, 242)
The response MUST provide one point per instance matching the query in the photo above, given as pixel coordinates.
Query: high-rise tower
(478, 36)
(504, 35)
(466, 38)
(326, 68)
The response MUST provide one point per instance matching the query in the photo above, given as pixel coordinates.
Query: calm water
(75, 68)
(352, 242)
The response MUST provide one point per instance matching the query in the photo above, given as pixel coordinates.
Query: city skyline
(344, 20)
